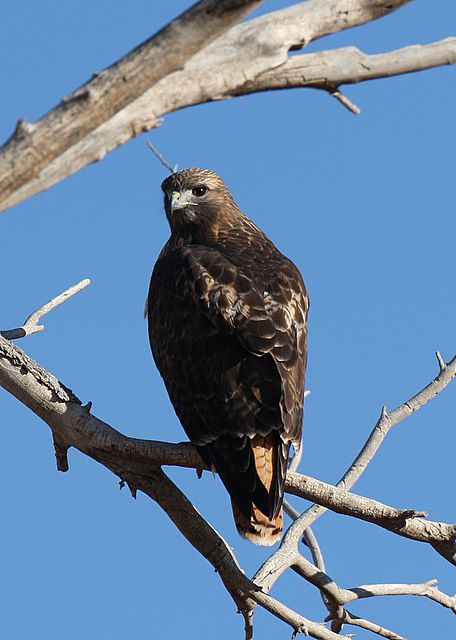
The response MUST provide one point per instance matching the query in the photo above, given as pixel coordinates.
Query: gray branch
(34, 146)
(334, 597)
(73, 425)
(284, 557)
(408, 523)
(138, 463)
(330, 69)
(31, 325)
(158, 78)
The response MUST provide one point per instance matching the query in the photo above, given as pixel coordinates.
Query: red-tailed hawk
(227, 327)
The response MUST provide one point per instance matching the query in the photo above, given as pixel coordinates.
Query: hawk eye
(199, 191)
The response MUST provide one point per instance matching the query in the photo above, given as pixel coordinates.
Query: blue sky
(363, 205)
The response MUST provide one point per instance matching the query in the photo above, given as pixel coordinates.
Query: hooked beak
(180, 199)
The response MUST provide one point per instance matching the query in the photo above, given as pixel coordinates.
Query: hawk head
(194, 199)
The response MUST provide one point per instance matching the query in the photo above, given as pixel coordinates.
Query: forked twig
(31, 325)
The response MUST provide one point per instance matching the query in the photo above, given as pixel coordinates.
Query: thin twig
(161, 158)
(343, 596)
(311, 542)
(440, 360)
(31, 325)
(308, 538)
(336, 597)
(427, 589)
(350, 618)
(343, 99)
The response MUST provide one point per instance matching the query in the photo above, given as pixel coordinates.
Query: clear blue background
(364, 205)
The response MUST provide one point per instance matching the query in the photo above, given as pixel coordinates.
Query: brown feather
(259, 528)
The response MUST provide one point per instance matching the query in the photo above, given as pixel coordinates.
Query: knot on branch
(23, 128)
(400, 518)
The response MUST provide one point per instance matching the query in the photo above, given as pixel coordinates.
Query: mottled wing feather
(266, 316)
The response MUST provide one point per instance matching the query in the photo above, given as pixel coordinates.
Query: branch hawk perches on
(227, 327)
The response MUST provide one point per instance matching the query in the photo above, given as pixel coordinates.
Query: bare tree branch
(404, 522)
(350, 618)
(133, 461)
(343, 596)
(330, 69)
(334, 597)
(123, 100)
(31, 325)
(283, 558)
(427, 589)
(34, 146)
(74, 425)
(308, 538)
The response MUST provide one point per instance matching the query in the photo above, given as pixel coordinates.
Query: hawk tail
(264, 526)
(259, 529)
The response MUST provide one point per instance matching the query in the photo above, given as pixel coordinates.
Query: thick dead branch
(34, 146)
(196, 529)
(124, 100)
(74, 425)
(405, 522)
(130, 459)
